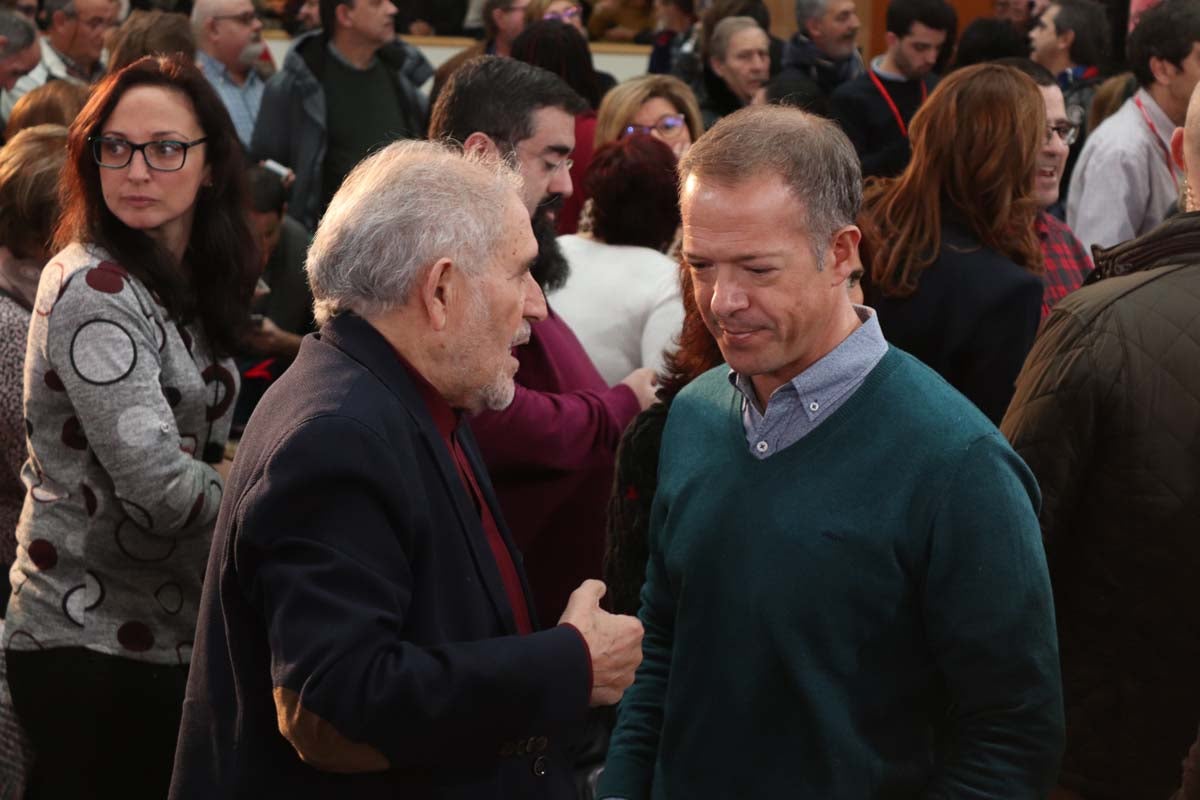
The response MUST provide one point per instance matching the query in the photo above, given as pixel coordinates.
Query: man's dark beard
(551, 268)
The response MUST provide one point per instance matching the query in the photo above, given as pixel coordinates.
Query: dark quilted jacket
(1107, 414)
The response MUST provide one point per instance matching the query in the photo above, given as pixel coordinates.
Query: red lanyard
(887, 98)
(1162, 148)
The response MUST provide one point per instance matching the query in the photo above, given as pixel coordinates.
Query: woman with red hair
(957, 274)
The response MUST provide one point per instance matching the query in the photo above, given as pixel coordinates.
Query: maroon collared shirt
(1067, 263)
(448, 421)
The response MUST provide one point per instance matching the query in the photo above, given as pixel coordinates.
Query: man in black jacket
(342, 92)
(824, 52)
(366, 629)
(875, 108)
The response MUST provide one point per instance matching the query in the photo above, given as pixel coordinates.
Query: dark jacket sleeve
(273, 127)
(1003, 328)
(1060, 399)
(327, 551)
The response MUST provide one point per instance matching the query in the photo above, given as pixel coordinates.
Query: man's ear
(718, 67)
(341, 13)
(1163, 70)
(436, 292)
(1177, 149)
(891, 39)
(842, 257)
(1066, 40)
(479, 142)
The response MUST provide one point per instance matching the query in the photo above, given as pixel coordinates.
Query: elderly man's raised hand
(614, 641)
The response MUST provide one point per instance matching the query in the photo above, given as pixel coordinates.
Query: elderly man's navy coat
(355, 639)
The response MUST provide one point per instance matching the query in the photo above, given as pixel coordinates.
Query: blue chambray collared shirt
(795, 409)
(242, 101)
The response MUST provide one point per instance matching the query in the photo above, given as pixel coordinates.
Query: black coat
(973, 318)
(352, 600)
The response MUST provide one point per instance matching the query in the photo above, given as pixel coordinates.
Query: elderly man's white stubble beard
(498, 393)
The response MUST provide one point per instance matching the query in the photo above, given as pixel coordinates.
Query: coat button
(539, 766)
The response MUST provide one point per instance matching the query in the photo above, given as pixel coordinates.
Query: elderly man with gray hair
(823, 54)
(19, 50)
(71, 48)
(366, 629)
(739, 63)
(846, 594)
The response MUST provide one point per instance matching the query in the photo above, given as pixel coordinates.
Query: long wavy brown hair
(975, 145)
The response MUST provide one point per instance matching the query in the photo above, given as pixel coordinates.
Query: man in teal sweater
(847, 595)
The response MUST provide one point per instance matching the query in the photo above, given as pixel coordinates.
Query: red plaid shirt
(1067, 263)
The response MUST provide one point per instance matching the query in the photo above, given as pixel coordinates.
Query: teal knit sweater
(865, 614)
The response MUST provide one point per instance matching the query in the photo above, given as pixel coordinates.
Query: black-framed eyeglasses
(163, 155)
(1065, 130)
(668, 126)
(246, 17)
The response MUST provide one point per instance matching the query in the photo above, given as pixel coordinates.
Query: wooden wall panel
(873, 14)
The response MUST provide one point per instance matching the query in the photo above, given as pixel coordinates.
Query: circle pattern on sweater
(106, 277)
(43, 554)
(102, 352)
(170, 597)
(47, 491)
(83, 598)
(89, 499)
(135, 636)
(53, 382)
(138, 426)
(137, 544)
(222, 388)
(73, 435)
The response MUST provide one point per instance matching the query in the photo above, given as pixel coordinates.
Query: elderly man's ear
(481, 143)
(438, 293)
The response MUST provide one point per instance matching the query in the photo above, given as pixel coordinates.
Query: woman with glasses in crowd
(128, 398)
(958, 284)
(658, 105)
(565, 11)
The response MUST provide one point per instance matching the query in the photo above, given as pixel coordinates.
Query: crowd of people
(779, 422)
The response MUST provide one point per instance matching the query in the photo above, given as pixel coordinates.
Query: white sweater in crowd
(622, 302)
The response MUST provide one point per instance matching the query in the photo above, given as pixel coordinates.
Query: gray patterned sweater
(123, 408)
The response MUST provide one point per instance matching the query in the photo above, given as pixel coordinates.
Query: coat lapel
(355, 337)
